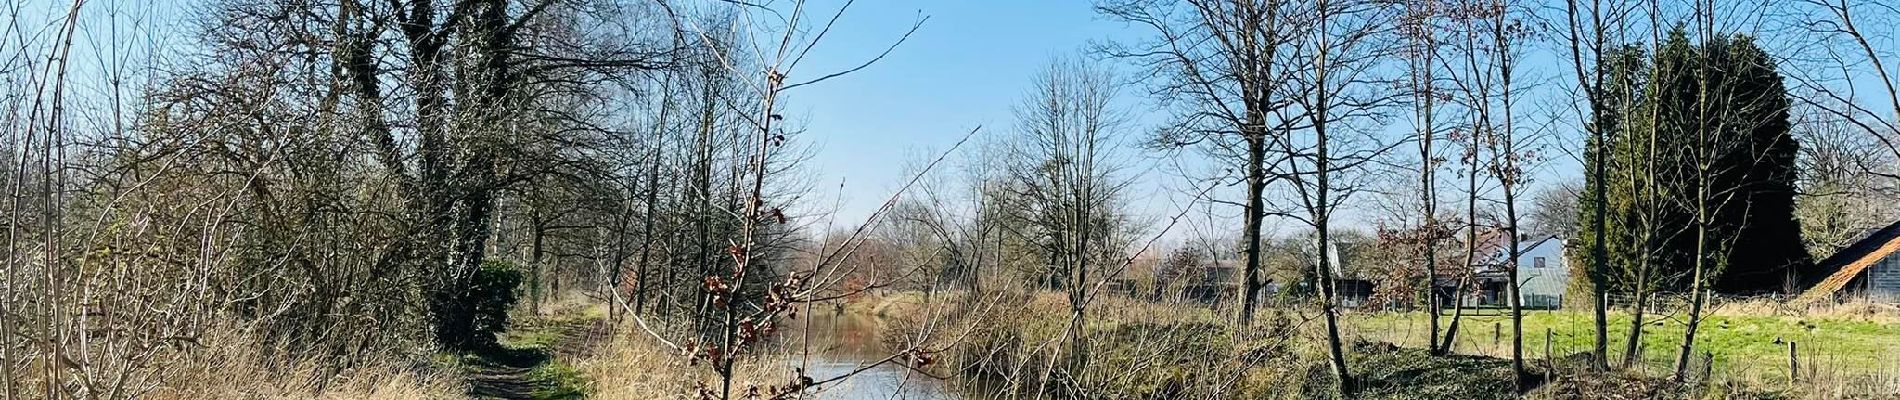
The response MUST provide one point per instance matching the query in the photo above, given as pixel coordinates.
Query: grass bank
(1018, 344)
(632, 364)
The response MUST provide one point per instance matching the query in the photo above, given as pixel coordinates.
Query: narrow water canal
(844, 343)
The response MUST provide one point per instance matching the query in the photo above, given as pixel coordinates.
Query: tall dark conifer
(1725, 97)
(1767, 254)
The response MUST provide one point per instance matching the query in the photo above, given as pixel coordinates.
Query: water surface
(841, 344)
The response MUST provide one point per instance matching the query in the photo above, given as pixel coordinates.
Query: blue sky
(966, 67)
(970, 62)
(973, 59)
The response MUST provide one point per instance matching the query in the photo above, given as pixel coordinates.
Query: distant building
(1213, 283)
(1868, 268)
(1352, 286)
(1210, 282)
(1220, 281)
(1542, 274)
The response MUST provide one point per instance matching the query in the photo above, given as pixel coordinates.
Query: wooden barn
(1869, 268)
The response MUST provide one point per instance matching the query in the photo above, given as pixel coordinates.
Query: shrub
(491, 294)
(469, 318)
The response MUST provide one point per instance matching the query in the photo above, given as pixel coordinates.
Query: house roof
(1502, 256)
(1526, 245)
(1851, 261)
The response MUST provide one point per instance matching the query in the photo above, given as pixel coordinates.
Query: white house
(1542, 274)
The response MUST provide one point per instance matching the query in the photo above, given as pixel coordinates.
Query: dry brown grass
(230, 366)
(633, 365)
(1136, 349)
(1857, 310)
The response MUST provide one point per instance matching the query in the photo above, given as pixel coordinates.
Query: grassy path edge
(533, 359)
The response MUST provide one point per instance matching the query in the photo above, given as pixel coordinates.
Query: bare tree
(1839, 200)
(1225, 65)
(1850, 51)
(1068, 179)
(1420, 27)
(1494, 35)
(1343, 97)
(1553, 210)
(1588, 43)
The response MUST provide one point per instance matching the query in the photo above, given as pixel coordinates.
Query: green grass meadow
(1752, 346)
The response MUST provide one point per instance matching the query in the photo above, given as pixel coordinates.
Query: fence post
(1548, 335)
(1550, 361)
(1794, 363)
(1497, 334)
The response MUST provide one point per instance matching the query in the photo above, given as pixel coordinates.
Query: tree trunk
(1322, 211)
(1255, 214)
(1429, 235)
(1632, 345)
(1334, 346)
(539, 230)
(1698, 275)
(654, 160)
(1600, 258)
(1471, 247)
(1510, 179)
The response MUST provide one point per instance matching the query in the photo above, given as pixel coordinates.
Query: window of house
(1537, 262)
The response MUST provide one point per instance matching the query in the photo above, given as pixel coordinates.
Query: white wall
(1542, 286)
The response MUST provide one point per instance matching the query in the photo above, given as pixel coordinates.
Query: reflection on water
(844, 343)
